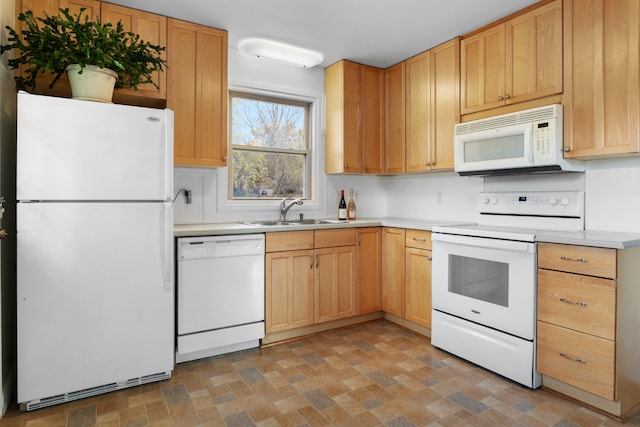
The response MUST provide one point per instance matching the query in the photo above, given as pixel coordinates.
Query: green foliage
(50, 44)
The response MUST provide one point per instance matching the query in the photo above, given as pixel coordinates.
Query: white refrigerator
(95, 276)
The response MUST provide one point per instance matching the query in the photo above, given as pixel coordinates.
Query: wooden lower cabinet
(334, 283)
(418, 277)
(393, 279)
(587, 324)
(368, 270)
(309, 277)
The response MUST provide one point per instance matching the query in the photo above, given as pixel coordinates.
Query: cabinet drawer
(418, 239)
(583, 303)
(600, 262)
(288, 241)
(332, 238)
(582, 360)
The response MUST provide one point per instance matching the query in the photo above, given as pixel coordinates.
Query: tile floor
(375, 374)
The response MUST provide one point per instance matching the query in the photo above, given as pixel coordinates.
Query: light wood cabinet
(369, 270)
(418, 277)
(422, 105)
(393, 271)
(309, 277)
(288, 280)
(587, 341)
(197, 92)
(151, 28)
(514, 61)
(601, 67)
(354, 118)
(395, 101)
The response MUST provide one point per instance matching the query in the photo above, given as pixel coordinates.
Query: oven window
(479, 279)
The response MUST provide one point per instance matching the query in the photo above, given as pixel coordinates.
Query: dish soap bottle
(342, 207)
(351, 207)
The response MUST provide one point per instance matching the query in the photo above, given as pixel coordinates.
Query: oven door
(491, 282)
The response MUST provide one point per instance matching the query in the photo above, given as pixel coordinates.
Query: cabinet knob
(224, 158)
(500, 98)
(430, 258)
(566, 149)
(507, 96)
(3, 234)
(346, 166)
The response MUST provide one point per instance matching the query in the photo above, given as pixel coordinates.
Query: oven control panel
(533, 203)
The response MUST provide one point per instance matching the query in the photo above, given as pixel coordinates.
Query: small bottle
(342, 207)
(351, 207)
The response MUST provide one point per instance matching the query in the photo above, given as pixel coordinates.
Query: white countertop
(597, 238)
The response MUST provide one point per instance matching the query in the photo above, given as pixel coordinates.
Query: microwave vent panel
(525, 116)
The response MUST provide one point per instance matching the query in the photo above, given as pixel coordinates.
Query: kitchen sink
(293, 222)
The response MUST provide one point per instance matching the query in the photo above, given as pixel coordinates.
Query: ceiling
(373, 32)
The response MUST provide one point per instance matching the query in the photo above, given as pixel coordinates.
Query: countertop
(597, 238)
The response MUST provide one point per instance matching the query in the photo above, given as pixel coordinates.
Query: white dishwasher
(220, 294)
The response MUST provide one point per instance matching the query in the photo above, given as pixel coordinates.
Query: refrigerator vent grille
(94, 391)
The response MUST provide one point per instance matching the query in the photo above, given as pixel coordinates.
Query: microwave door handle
(528, 144)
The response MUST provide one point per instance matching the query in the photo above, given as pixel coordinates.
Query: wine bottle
(351, 207)
(342, 207)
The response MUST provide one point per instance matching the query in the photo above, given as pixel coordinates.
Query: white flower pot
(94, 84)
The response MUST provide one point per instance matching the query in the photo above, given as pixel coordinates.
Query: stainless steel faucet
(284, 206)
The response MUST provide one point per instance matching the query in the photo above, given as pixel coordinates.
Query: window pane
(268, 175)
(267, 124)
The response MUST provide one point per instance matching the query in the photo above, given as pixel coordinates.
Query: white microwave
(528, 141)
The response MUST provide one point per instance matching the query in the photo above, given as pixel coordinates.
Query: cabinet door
(289, 290)
(418, 113)
(394, 140)
(482, 68)
(372, 104)
(342, 140)
(369, 270)
(52, 7)
(534, 54)
(197, 92)
(393, 279)
(418, 280)
(445, 102)
(601, 63)
(151, 28)
(334, 283)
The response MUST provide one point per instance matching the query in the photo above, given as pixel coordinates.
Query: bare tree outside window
(270, 149)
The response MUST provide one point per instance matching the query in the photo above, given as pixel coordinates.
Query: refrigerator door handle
(167, 252)
(168, 136)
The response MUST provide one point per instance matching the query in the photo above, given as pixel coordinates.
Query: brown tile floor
(369, 375)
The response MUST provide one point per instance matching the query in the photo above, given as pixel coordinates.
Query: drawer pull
(564, 356)
(580, 303)
(416, 239)
(565, 258)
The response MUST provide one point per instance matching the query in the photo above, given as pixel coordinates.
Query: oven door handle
(481, 242)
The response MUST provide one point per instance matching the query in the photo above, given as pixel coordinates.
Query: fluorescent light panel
(281, 52)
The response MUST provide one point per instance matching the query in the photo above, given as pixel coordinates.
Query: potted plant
(74, 44)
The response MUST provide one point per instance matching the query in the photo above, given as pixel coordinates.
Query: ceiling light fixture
(281, 52)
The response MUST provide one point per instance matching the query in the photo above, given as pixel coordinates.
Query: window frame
(276, 98)
(218, 182)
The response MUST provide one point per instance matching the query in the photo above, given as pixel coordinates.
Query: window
(269, 147)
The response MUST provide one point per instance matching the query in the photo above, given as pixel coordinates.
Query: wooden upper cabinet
(52, 7)
(602, 64)
(151, 28)
(394, 113)
(197, 92)
(418, 112)
(445, 102)
(514, 61)
(432, 107)
(354, 114)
